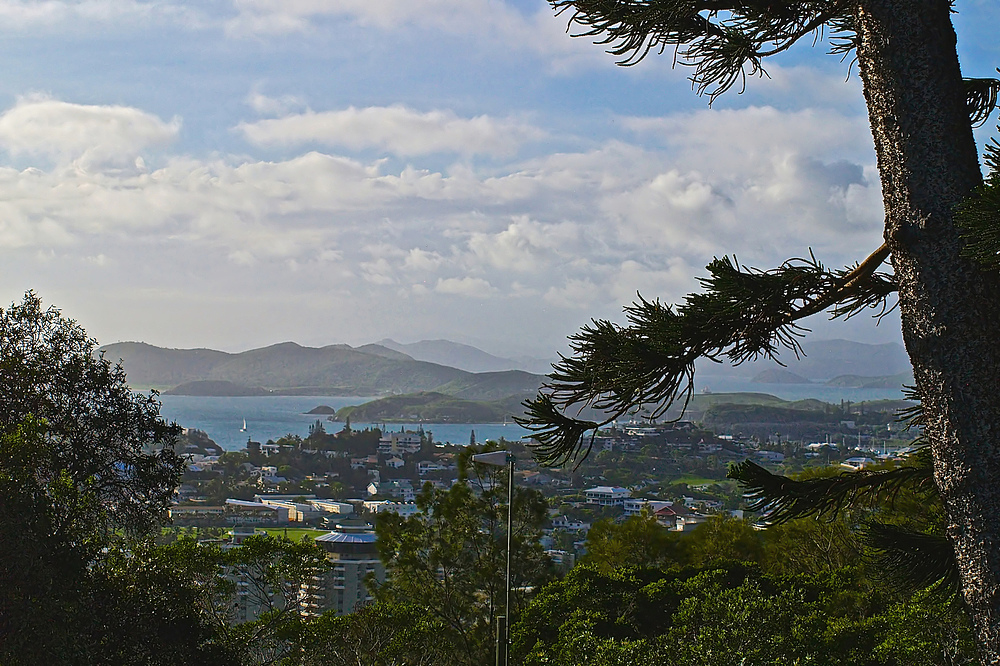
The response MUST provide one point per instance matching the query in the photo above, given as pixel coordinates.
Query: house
(634, 507)
(404, 509)
(858, 463)
(398, 488)
(607, 495)
(426, 466)
(361, 463)
(395, 462)
(533, 478)
(770, 456)
(569, 524)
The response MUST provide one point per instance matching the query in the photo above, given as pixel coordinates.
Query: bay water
(271, 417)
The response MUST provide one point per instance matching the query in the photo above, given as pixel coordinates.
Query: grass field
(293, 533)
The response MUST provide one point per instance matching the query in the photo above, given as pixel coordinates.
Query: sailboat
(244, 428)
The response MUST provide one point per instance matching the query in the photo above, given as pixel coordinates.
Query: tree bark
(950, 309)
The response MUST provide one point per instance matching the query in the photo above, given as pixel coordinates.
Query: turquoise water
(271, 417)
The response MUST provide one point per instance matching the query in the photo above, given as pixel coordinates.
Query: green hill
(432, 406)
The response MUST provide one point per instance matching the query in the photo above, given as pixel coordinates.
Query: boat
(244, 428)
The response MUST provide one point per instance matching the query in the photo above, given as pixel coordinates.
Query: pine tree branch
(981, 98)
(723, 39)
(915, 559)
(780, 499)
(744, 313)
(850, 285)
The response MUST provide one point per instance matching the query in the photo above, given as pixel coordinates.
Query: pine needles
(742, 314)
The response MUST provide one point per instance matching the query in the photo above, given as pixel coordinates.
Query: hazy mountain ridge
(291, 368)
(824, 360)
(464, 357)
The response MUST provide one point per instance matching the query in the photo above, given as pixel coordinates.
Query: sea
(271, 417)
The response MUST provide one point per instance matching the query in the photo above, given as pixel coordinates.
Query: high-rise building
(354, 560)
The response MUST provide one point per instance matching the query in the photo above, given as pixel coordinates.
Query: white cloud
(395, 129)
(493, 22)
(468, 286)
(274, 106)
(574, 232)
(20, 14)
(88, 134)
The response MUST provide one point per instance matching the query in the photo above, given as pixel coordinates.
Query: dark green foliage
(915, 552)
(979, 215)
(109, 443)
(981, 98)
(780, 499)
(377, 634)
(451, 561)
(743, 313)
(915, 559)
(87, 469)
(734, 614)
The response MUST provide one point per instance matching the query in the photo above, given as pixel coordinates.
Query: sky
(237, 173)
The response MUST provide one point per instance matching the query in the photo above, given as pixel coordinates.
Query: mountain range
(289, 368)
(453, 369)
(834, 362)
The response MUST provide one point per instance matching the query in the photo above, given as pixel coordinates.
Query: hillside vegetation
(291, 369)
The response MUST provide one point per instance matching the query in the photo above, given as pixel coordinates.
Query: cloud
(490, 22)
(88, 134)
(572, 232)
(395, 129)
(468, 286)
(20, 14)
(274, 106)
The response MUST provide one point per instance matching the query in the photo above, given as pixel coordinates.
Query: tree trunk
(950, 309)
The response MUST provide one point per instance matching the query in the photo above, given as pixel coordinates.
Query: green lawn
(295, 533)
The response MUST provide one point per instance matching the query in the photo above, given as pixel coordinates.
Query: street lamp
(503, 459)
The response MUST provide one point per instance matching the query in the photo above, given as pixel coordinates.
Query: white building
(329, 506)
(634, 507)
(404, 509)
(354, 558)
(399, 443)
(607, 495)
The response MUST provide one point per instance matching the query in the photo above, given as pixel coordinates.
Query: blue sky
(238, 173)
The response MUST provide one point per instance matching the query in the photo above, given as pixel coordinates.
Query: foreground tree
(921, 112)
(450, 561)
(86, 472)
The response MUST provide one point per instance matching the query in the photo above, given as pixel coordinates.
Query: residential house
(607, 495)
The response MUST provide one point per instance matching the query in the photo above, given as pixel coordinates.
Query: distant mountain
(216, 388)
(465, 357)
(823, 360)
(289, 368)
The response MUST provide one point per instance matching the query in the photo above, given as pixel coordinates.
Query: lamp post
(502, 459)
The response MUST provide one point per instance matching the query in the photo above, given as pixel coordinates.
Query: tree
(451, 560)
(731, 613)
(921, 112)
(378, 634)
(638, 541)
(86, 472)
